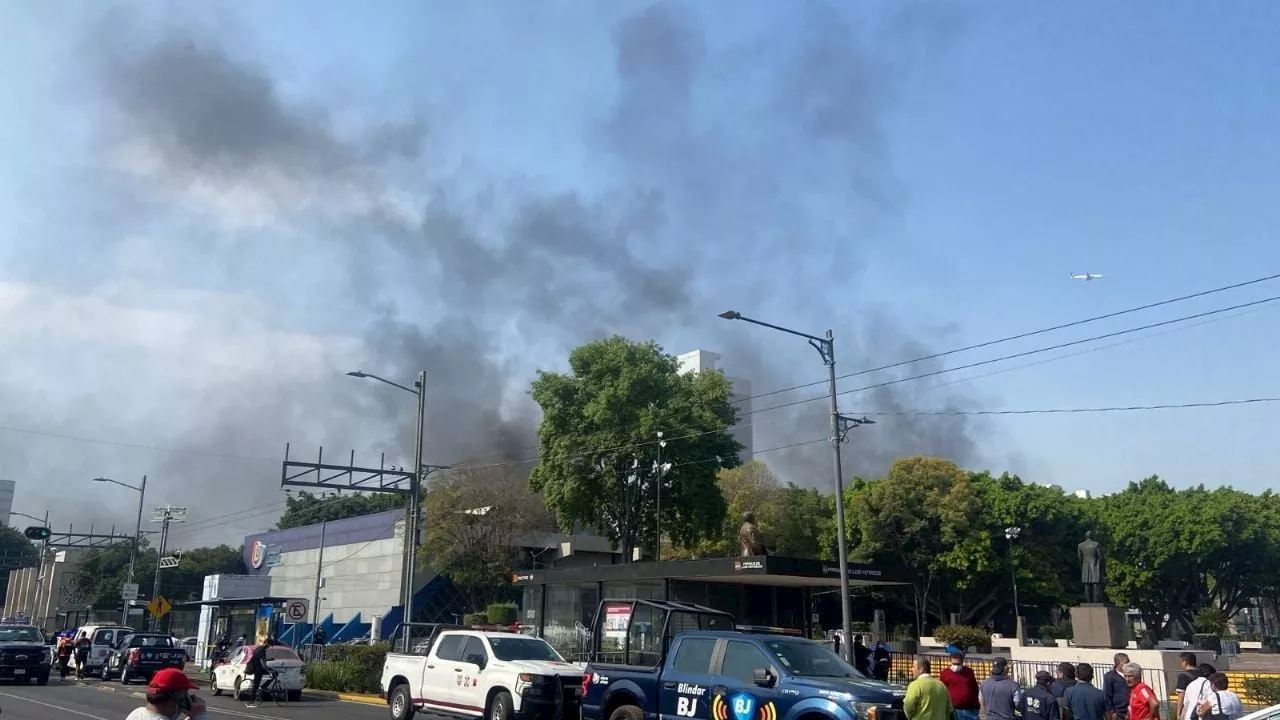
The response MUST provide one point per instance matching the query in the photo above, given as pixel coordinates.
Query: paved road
(111, 701)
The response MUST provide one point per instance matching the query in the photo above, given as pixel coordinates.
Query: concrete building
(7, 488)
(46, 593)
(701, 360)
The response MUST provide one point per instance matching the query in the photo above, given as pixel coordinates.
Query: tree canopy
(792, 519)
(17, 551)
(305, 508)
(598, 444)
(99, 573)
(474, 518)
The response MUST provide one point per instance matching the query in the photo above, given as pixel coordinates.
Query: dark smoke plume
(746, 174)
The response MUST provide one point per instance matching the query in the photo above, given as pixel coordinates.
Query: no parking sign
(296, 610)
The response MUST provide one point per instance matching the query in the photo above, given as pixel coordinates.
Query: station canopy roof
(771, 570)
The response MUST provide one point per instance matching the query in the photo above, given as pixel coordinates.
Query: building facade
(7, 489)
(46, 593)
(357, 562)
(740, 395)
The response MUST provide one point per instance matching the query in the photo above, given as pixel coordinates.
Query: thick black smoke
(747, 174)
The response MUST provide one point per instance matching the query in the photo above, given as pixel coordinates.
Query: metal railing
(1022, 671)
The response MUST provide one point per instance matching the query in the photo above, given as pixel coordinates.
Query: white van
(104, 637)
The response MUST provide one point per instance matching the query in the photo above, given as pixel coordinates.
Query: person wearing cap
(170, 697)
(961, 684)
(995, 695)
(1039, 703)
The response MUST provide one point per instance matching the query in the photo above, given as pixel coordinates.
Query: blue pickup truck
(659, 660)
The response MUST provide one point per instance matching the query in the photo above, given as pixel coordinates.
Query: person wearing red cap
(169, 697)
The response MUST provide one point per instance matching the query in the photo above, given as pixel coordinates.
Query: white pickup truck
(494, 675)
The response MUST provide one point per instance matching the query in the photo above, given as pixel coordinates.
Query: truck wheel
(401, 703)
(627, 712)
(500, 708)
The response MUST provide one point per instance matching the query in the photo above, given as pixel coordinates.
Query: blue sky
(916, 176)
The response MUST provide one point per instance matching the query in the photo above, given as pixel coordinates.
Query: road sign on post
(159, 607)
(129, 592)
(296, 610)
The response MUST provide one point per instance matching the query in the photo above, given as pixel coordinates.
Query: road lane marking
(24, 698)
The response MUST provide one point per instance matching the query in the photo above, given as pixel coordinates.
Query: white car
(232, 677)
(491, 675)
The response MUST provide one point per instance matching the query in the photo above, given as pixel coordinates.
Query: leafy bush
(501, 613)
(1265, 691)
(473, 619)
(364, 658)
(1057, 631)
(965, 636)
(1211, 621)
(343, 676)
(904, 630)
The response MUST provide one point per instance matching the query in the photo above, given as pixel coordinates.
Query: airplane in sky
(1086, 276)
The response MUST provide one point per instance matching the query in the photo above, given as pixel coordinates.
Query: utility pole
(315, 601)
(840, 427)
(44, 552)
(415, 509)
(661, 472)
(137, 536)
(164, 516)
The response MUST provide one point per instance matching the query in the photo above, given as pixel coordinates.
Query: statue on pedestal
(750, 539)
(1090, 554)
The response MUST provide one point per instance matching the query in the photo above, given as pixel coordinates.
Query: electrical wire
(1024, 335)
(1069, 411)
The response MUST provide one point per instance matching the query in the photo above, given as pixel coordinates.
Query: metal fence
(1023, 671)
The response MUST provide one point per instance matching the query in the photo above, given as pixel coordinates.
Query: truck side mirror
(475, 659)
(762, 677)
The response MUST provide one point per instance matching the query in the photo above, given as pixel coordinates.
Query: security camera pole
(840, 427)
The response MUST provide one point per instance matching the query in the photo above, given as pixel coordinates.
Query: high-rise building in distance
(7, 488)
(740, 394)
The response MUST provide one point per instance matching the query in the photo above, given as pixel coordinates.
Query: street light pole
(840, 425)
(415, 496)
(137, 537)
(661, 471)
(1011, 534)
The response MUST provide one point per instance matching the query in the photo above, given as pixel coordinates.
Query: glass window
(104, 637)
(694, 655)
(646, 636)
(450, 647)
(532, 607)
(570, 610)
(522, 648)
(20, 633)
(474, 647)
(809, 659)
(281, 653)
(147, 641)
(741, 660)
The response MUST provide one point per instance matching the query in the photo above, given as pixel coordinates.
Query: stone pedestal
(1094, 625)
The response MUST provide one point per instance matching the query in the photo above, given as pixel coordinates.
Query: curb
(347, 697)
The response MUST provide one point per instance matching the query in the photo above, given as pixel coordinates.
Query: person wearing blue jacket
(1115, 689)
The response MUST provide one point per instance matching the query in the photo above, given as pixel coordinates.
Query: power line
(1068, 411)
(1025, 353)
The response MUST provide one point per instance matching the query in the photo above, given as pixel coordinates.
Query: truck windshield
(523, 648)
(808, 659)
(20, 633)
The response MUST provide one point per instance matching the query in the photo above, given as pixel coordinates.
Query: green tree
(475, 516)
(305, 508)
(597, 444)
(17, 552)
(922, 515)
(806, 523)
(747, 488)
(99, 573)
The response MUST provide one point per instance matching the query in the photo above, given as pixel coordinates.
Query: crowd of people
(1068, 694)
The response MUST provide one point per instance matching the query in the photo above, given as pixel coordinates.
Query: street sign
(129, 592)
(159, 607)
(273, 555)
(167, 563)
(296, 610)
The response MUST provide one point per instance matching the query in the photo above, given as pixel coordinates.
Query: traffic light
(37, 533)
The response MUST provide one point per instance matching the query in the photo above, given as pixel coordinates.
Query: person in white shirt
(1196, 692)
(169, 697)
(1221, 702)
